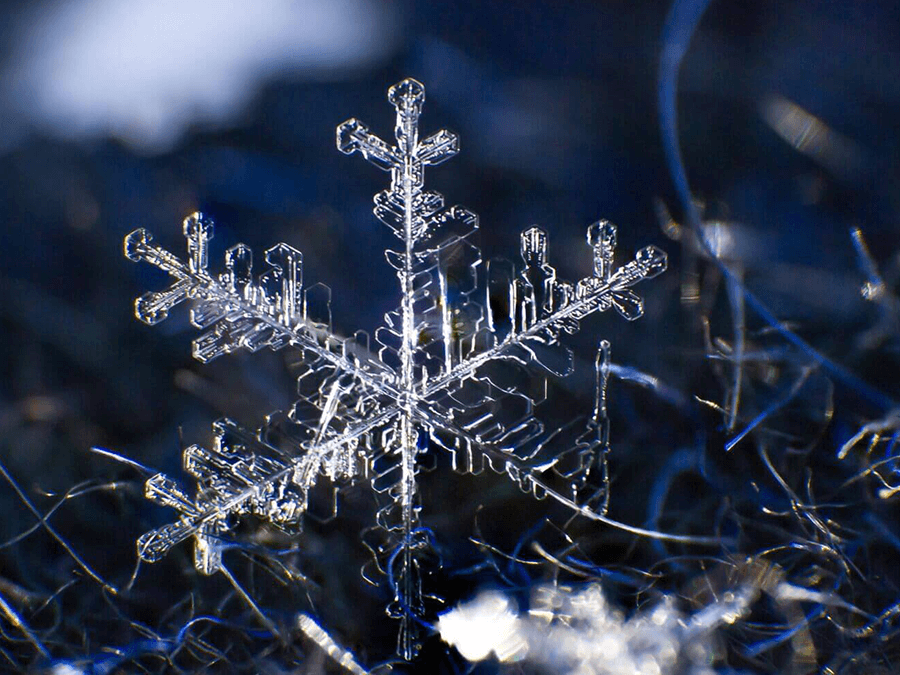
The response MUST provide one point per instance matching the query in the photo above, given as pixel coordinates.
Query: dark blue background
(555, 104)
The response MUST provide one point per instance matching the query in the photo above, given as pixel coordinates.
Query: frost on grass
(459, 365)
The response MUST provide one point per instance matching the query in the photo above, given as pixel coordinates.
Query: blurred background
(117, 114)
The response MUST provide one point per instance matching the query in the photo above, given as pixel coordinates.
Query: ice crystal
(452, 367)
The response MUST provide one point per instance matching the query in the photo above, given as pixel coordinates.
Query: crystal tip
(407, 94)
(653, 260)
(198, 224)
(602, 233)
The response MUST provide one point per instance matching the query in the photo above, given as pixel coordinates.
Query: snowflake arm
(597, 293)
(242, 313)
(243, 474)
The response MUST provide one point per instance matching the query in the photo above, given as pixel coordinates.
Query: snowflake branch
(648, 263)
(244, 314)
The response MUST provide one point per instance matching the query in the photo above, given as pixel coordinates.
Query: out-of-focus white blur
(576, 631)
(485, 625)
(145, 71)
(811, 136)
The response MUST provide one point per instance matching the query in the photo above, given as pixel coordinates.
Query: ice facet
(628, 304)
(602, 237)
(652, 260)
(198, 230)
(437, 148)
(239, 262)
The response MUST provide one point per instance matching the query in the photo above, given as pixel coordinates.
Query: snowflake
(452, 367)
